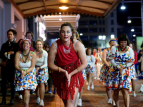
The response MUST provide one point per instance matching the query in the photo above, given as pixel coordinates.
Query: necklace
(40, 52)
(125, 49)
(66, 51)
(26, 54)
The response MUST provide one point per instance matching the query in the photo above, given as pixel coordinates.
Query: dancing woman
(106, 69)
(75, 37)
(90, 69)
(64, 61)
(25, 71)
(41, 71)
(122, 59)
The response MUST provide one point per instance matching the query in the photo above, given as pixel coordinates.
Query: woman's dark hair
(19, 45)
(30, 33)
(88, 49)
(13, 31)
(67, 24)
(123, 37)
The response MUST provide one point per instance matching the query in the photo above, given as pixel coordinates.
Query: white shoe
(114, 104)
(79, 102)
(92, 87)
(88, 87)
(20, 97)
(38, 100)
(41, 103)
(134, 95)
(110, 101)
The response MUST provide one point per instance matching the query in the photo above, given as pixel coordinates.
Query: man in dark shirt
(7, 54)
(139, 56)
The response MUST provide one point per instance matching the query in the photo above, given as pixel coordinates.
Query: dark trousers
(50, 81)
(7, 76)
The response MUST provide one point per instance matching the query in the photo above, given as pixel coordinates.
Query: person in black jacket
(8, 50)
(139, 63)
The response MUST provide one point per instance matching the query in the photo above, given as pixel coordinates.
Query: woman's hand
(121, 69)
(36, 70)
(66, 74)
(22, 74)
(69, 79)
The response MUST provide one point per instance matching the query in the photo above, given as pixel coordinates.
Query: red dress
(68, 62)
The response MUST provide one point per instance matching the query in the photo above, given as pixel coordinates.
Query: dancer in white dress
(41, 71)
(25, 79)
(90, 69)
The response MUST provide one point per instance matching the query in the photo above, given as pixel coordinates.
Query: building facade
(96, 32)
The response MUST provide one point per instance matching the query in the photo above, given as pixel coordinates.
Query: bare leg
(80, 95)
(41, 90)
(116, 97)
(109, 94)
(37, 91)
(133, 85)
(90, 79)
(126, 97)
(26, 98)
(70, 102)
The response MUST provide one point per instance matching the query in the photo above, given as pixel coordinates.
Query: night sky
(132, 10)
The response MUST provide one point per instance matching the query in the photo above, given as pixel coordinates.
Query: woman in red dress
(67, 61)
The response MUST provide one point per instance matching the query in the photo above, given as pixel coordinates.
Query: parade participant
(75, 37)
(105, 70)
(122, 58)
(133, 73)
(64, 61)
(8, 51)
(90, 69)
(99, 61)
(41, 71)
(29, 35)
(95, 55)
(25, 78)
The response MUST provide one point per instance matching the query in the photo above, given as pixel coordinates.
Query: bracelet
(59, 69)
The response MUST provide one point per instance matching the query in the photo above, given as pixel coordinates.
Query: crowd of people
(31, 65)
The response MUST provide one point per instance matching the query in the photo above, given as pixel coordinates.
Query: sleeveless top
(69, 62)
(62, 58)
(26, 65)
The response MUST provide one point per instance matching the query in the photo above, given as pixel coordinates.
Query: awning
(28, 8)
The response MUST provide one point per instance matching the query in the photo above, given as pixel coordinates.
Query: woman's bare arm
(16, 61)
(52, 55)
(104, 54)
(82, 56)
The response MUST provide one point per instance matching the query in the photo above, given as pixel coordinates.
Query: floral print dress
(122, 80)
(90, 64)
(28, 81)
(106, 72)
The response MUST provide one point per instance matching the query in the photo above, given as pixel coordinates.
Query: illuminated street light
(134, 35)
(129, 21)
(81, 34)
(132, 30)
(123, 7)
(112, 36)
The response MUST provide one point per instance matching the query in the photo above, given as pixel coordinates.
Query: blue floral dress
(121, 80)
(28, 81)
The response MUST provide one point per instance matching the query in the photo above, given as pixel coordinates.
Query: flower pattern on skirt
(42, 75)
(84, 74)
(28, 81)
(121, 80)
